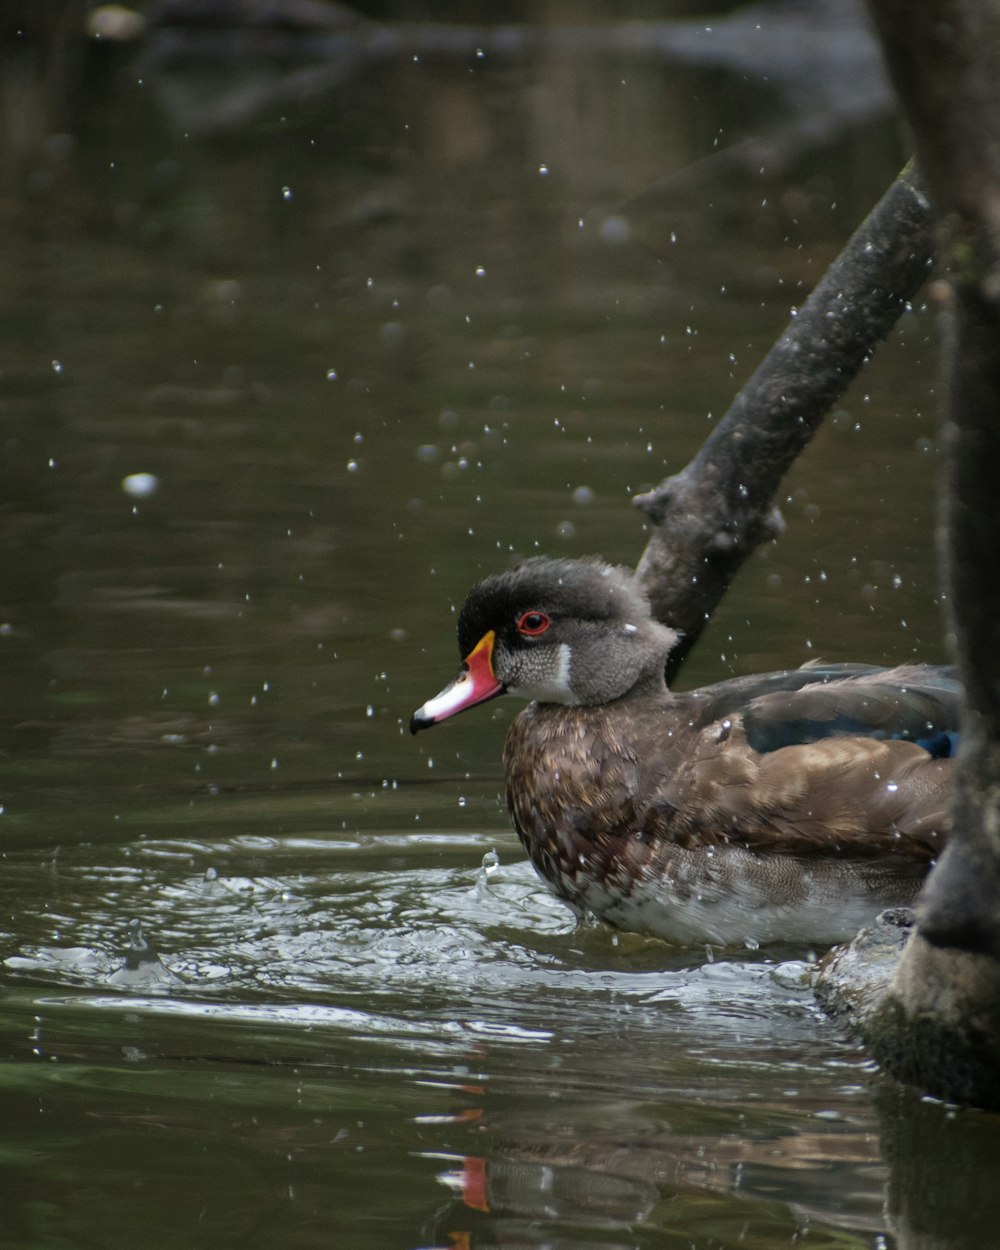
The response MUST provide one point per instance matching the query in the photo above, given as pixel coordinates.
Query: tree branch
(709, 517)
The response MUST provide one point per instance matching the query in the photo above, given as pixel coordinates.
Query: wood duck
(790, 806)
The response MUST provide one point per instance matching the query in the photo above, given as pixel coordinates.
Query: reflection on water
(261, 983)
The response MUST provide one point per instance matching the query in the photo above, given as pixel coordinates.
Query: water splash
(143, 969)
(490, 864)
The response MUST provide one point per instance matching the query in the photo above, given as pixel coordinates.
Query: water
(272, 399)
(404, 1051)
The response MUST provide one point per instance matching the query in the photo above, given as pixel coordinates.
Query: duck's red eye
(531, 624)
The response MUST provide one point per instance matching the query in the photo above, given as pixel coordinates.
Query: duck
(790, 806)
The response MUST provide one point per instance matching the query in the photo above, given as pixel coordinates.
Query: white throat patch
(557, 689)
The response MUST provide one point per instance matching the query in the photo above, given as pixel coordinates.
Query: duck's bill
(474, 684)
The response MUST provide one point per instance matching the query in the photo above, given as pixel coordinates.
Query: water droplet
(615, 230)
(140, 485)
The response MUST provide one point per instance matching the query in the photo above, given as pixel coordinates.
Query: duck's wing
(915, 703)
(855, 764)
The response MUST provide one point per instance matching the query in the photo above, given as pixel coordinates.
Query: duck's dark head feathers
(566, 631)
(585, 590)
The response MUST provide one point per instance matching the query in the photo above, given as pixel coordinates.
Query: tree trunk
(939, 1026)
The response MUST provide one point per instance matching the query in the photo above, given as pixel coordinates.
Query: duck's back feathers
(916, 703)
(849, 796)
(843, 760)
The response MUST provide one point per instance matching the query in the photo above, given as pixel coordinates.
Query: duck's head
(577, 632)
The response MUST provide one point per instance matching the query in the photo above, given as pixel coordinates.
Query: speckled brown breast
(574, 794)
